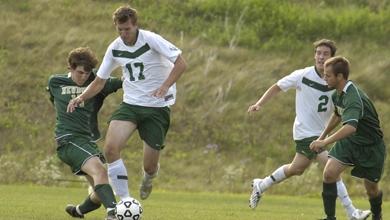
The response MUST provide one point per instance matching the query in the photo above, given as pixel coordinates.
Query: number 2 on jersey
(324, 101)
(141, 70)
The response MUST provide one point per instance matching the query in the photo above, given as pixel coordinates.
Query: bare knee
(111, 152)
(329, 177)
(373, 192)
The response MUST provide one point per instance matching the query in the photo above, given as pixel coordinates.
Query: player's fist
(253, 108)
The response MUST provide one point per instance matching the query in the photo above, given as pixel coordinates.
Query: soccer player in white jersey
(151, 66)
(313, 110)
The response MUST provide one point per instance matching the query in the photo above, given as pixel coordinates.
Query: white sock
(118, 175)
(78, 210)
(147, 179)
(276, 177)
(344, 199)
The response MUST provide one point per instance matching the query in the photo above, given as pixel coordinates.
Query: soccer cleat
(256, 194)
(360, 215)
(145, 189)
(71, 210)
(325, 218)
(110, 217)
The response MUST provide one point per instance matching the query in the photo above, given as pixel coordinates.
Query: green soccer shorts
(152, 122)
(368, 161)
(303, 147)
(74, 151)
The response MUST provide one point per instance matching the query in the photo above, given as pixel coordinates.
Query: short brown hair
(82, 56)
(123, 14)
(327, 43)
(339, 65)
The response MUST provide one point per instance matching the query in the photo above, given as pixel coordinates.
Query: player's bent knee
(111, 152)
(372, 193)
(329, 177)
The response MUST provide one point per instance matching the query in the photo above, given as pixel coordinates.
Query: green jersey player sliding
(76, 146)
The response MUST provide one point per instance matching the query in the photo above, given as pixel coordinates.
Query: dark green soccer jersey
(83, 121)
(355, 109)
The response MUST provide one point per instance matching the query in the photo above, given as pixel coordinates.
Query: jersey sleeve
(108, 64)
(353, 111)
(164, 47)
(334, 97)
(48, 89)
(291, 81)
(112, 85)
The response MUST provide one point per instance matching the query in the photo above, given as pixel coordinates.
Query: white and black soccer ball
(128, 209)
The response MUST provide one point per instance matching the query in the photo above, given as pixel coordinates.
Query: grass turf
(36, 202)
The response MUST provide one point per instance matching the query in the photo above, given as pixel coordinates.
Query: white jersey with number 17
(145, 65)
(313, 102)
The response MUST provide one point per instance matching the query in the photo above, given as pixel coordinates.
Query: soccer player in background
(76, 146)
(313, 109)
(151, 66)
(358, 143)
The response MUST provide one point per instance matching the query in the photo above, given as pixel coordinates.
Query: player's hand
(160, 92)
(317, 146)
(73, 103)
(253, 108)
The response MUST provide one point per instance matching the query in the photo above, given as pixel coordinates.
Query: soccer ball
(128, 209)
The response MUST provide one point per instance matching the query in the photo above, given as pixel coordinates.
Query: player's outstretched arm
(270, 93)
(342, 133)
(94, 88)
(345, 131)
(177, 71)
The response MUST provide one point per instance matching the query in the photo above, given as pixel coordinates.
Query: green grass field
(35, 202)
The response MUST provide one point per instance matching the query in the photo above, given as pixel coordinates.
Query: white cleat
(360, 215)
(256, 194)
(145, 190)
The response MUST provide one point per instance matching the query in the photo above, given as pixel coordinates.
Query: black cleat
(71, 210)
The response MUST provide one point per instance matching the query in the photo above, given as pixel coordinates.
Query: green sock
(105, 194)
(376, 206)
(329, 195)
(88, 205)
